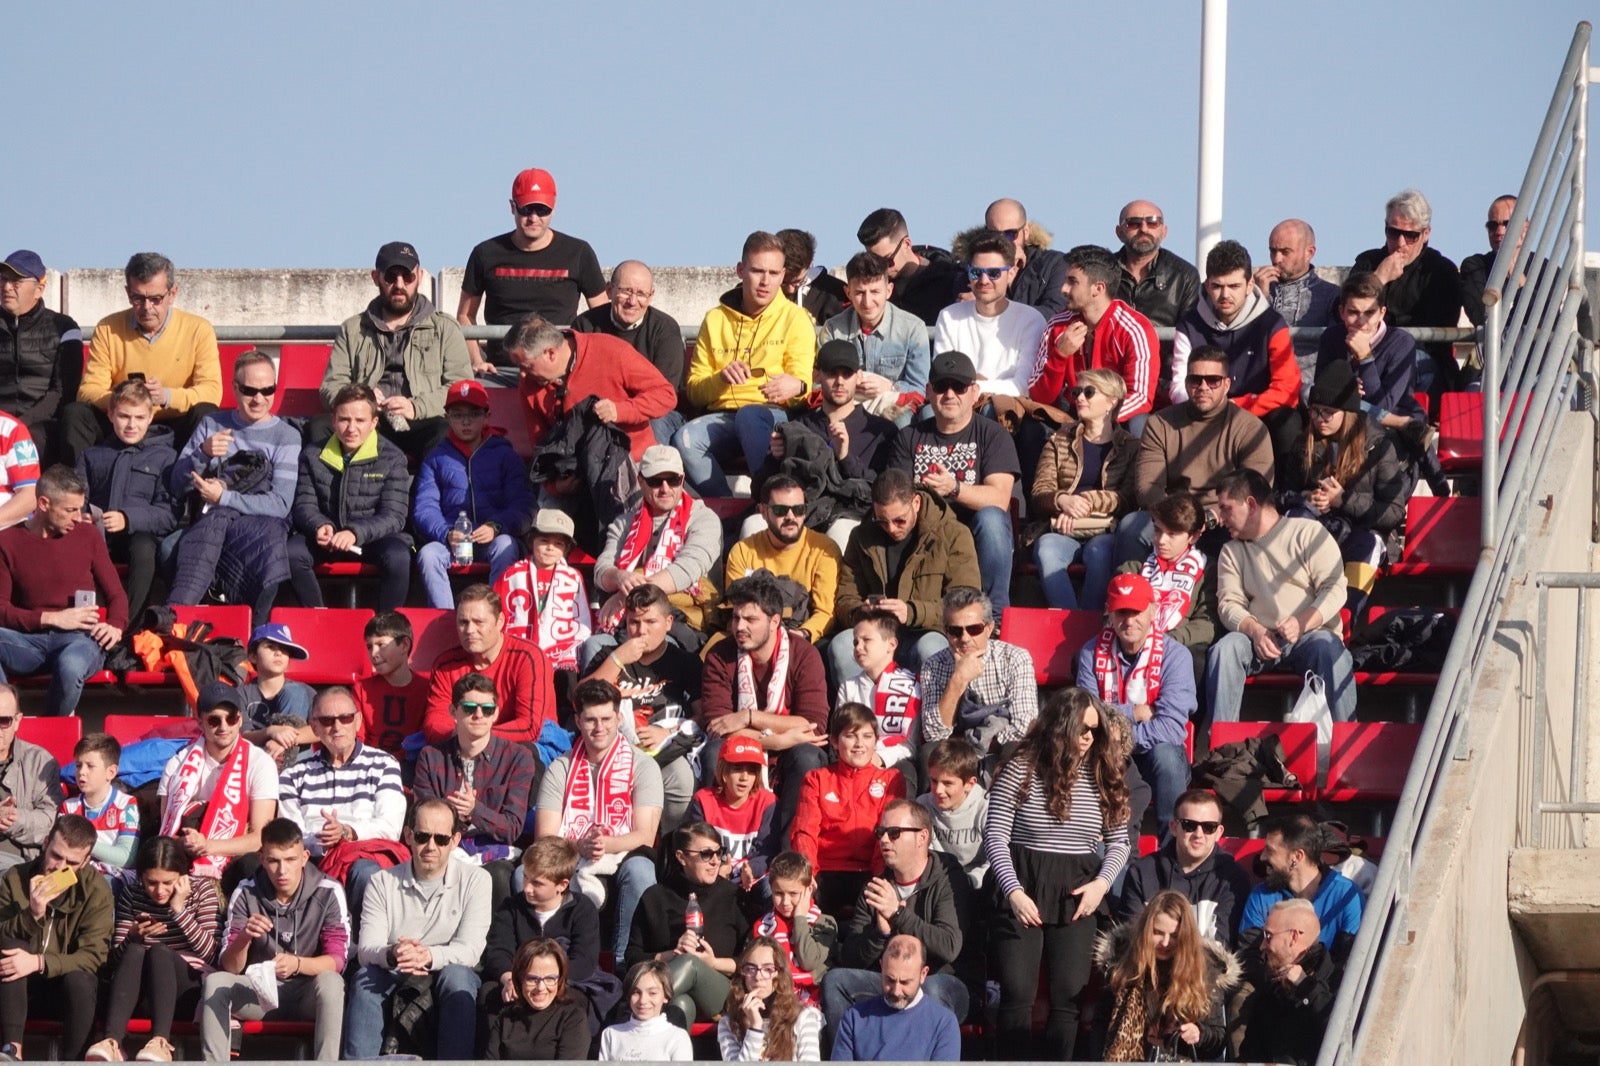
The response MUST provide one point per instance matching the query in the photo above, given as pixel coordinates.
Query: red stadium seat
(228, 354)
(1052, 637)
(1442, 537)
(1299, 747)
(1148, 845)
(1245, 850)
(505, 414)
(1461, 427)
(333, 637)
(132, 728)
(434, 633)
(58, 736)
(301, 368)
(1368, 761)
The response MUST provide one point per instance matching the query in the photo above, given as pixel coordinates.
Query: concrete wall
(1455, 983)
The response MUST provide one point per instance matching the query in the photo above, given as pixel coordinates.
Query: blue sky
(301, 134)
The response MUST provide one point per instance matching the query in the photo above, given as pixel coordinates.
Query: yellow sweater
(812, 561)
(782, 339)
(184, 359)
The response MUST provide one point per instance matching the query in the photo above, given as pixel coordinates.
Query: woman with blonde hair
(764, 1020)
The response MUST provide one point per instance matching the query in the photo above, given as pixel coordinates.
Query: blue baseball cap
(279, 634)
(24, 264)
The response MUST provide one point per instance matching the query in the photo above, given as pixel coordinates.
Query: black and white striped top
(1033, 827)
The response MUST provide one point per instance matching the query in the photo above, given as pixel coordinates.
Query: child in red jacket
(839, 808)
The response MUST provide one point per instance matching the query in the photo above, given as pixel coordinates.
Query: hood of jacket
(1222, 966)
(157, 435)
(419, 314)
(1255, 305)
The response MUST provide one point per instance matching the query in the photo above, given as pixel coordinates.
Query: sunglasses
(7, 721)
(664, 479)
(441, 840)
(250, 390)
(947, 385)
(330, 719)
(784, 510)
(1210, 381)
(1135, 221)
(1492, 225)
(217, 721)
(541, 210)
(970, 630)
(1086, 391)
(706, 854)
(1010, 234)
(1395, 233)
(893, 832)
(750, 969)
(481, 710)
(1189, 825)
(992, 273)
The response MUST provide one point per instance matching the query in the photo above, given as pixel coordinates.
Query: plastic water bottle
(463, 548)
(694, 919)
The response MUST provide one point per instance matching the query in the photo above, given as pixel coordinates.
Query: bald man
(1294, 981)
(1161, 286)
(1291, 285)
(653, 333)
(1041, 272)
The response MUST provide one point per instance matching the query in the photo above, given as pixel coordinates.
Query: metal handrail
(1531, 833)
(1530, 352)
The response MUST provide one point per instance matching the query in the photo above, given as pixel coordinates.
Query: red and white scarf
(1142, 684)
(673, 532)
(227, 808)
(896, 701)
(607, 803)
(1174, 584)
(547, 607)
(777, 686)
(779, 928)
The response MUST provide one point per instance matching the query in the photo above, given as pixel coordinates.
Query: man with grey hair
(979, 688)
(41, 349)
(1041, 272)
(173, 351)
(903, 1024)
(1421, 287)
(1291, 285)
(654, 334)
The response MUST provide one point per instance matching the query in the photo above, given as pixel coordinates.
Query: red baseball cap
(1129, 592)
(534, 186)
(744, 749)
(468, 392)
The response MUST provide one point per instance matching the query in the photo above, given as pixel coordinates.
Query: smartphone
(84, 598)
(136, 376)
(874, 600)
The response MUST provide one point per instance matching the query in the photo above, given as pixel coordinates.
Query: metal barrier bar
(1532, 833)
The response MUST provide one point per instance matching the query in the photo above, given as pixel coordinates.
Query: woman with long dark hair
(763, 1020)
(542, 1022)
(1166, 985)
(1056, 802)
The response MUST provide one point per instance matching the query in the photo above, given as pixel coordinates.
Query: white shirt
(1002, 348)
(260, 774)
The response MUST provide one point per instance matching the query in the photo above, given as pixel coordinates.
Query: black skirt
(1049, 877)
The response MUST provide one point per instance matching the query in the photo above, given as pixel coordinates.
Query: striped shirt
(753, 1048)
(1007, 680)
(364, 794)
(191, 932)
(1031, 826)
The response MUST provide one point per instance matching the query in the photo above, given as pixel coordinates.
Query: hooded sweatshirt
(314, 922)
(1261, 359)
(781, 339)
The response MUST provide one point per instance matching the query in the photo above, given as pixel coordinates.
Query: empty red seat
(332, 636)
(1368, 761)
(1461, 427)
(1299, 748)
(132, 728)
(1148, 844)
(1245, 850)
(433, 633)
(58, 736)
(1443, 536)
(1052, 637)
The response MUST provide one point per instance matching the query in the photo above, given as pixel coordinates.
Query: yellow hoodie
(782, 339)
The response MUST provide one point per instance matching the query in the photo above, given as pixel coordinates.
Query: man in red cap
(531, 270)
(1148, 676)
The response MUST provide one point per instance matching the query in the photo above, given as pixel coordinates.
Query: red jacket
(522, 684)
(1124, 342)
(839, 807)
(610, 369)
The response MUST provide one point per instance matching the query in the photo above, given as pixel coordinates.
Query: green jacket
(75, 935)
(435, 356)
(941, 556)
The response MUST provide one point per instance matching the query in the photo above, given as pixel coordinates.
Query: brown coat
(940, 556)
(1061, 467)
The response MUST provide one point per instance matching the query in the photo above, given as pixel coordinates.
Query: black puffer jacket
(582, 446)
(41, 363)
(1375, 499)
(1285, 1023)
(369, 494)
(132, 478)
(1168, 290)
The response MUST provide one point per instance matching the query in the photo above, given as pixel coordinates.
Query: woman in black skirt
(1055, 803)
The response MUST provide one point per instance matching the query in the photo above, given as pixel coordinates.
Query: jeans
(1134, 539)
(991, 536)
(355, 888)
(843, 988)
(706, 440)
(72, 658)
(455, 1001)
(318, 999)
(1233, 658)
(434, 560)
(1166, 767)
(666, 427)
(1054, 552)
(916, 646)
(632, 878)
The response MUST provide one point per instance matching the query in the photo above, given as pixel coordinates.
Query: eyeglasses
(252, 391)
(218, 721)
(541, 980)
(1086, 391)
(154, 301)
(482, 710)
(706, 854)
(664, 479)
(1395, 233)
(992, 273)
(1210, 381)
(542, 210)
(893, 832)
(1191, 824)
(633, 294)
(16, 283)
(7, 721)
(330, 719)
(1147, 221)
(1492, 225)
(437, 839)
(970, 630)
(784, 510)
(948, 385)
(1321, 413)
(750, 969)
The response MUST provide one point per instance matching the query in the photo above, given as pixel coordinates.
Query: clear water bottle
(694, 919)
(462, 551)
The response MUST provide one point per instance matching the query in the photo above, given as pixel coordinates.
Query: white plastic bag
(1312, 706)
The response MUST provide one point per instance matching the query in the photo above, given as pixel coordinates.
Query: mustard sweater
(183, 358)
(812, 561)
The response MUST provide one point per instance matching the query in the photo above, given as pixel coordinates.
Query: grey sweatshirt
(959, 833)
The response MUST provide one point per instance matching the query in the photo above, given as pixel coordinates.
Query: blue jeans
(916, 645)
(666, 427)
(632, 878)
(991, 536)
(455, 1002)
(1233, 658)
(71, 658)
(1054, 552)
(707, 440)
(842, 988)
(355, 888)
(1166, 767)
(433, 563)
(1135, 539)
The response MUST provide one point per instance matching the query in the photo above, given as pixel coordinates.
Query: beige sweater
(1294, 566)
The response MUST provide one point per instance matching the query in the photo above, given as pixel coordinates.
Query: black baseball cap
(837, 355)
(396, 254)
(952, 366)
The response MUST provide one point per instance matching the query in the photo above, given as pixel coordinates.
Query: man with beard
(1161, 285)
(792, 554)
(1291, 285)
(405, 349)
(903, 1024)
(1291, 853)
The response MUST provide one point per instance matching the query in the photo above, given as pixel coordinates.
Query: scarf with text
(896, 701)
(550, 608)
(227, 809)
(673, 532)
(1174, 584)
(1142, 684)
(777, 686)
(606, 802)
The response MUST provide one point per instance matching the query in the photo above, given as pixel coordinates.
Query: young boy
(113, 812)
(889, 689)
(276, 709)
(797, 923)
(394, 700)
(476, 472)
(957, 804)
(1176, 570)
(127, 475)
(544, 908)
(545, 598)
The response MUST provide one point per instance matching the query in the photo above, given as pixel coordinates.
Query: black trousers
(139, 551)
(391, 555)
(70, 998)
(158, 976)
(84, 424)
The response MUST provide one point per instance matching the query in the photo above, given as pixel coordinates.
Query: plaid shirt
(502, 778)
(1007, 680)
